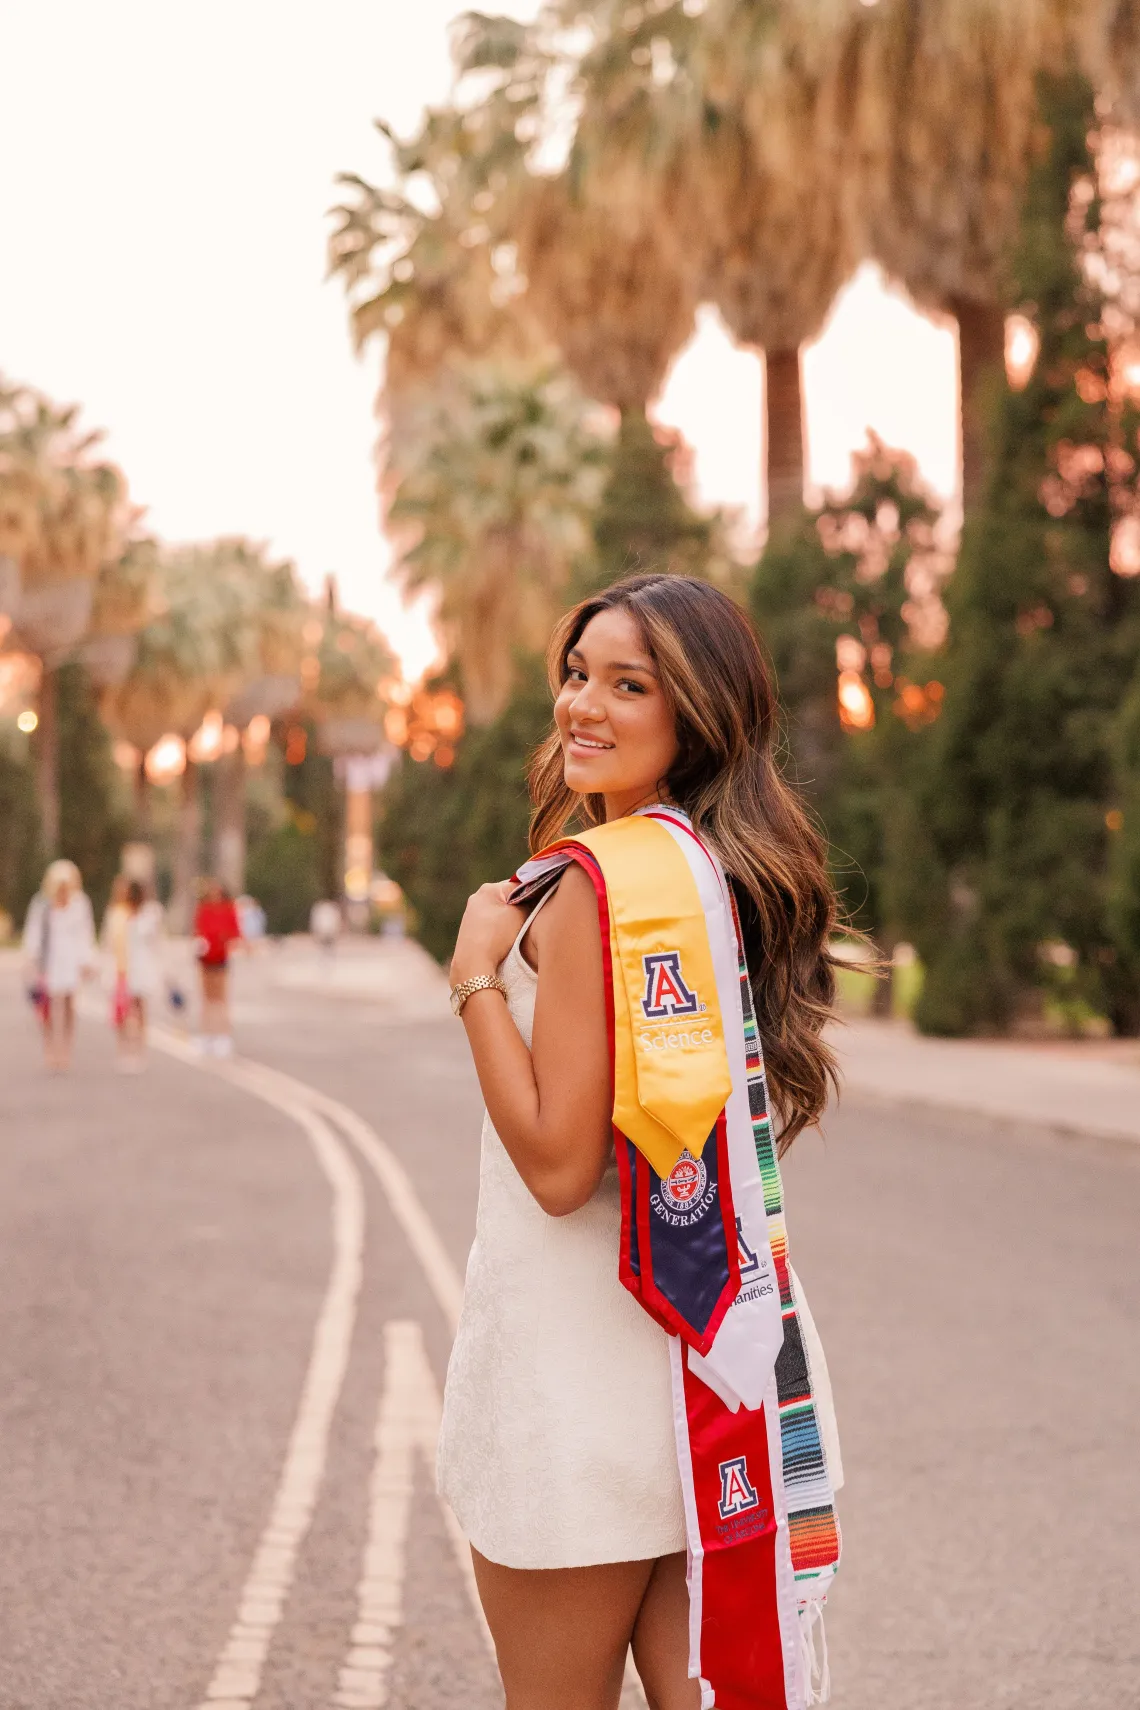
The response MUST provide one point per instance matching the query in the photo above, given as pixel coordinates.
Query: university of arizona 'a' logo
(749, 1258)
(665, 990)
(737, 1492)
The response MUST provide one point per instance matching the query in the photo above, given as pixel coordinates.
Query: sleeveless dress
(556, 1448)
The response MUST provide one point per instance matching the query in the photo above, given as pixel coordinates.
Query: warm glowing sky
(166, 173)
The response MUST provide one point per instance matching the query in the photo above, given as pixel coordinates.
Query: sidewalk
(1078, 1088)
(1090, 1088)
(394, 973)
(1082, 1087)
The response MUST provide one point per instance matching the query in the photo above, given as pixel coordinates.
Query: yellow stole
(671, 1073)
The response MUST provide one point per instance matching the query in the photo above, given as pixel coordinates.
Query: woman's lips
(589, 744)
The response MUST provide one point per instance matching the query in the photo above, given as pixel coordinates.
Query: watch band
(479, 983)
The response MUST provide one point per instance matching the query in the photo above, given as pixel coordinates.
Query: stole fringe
(813, 1653)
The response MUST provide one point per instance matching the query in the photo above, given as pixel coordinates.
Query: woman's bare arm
(551, 1106)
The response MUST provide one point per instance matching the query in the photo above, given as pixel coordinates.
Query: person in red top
(216, 928)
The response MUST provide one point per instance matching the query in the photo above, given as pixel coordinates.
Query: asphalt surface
(165, 1247)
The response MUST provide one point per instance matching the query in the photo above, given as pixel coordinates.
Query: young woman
(59, 952)
(216, 931)
(142, 971)
(558, 1451)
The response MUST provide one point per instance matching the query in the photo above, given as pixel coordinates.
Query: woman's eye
(628, 683)
(575, 675)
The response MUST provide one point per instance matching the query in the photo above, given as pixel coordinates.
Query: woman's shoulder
(567, 914)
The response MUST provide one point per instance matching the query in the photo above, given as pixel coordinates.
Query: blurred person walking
(252, 920)
(216, 929)
(59, 952)
(113, 941)
(325, 924)
(142, 974)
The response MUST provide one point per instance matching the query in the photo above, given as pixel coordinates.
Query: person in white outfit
(557, 1450)
(142, 937)
(59, 952)
(325, 923)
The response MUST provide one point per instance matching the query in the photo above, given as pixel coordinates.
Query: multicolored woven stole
(704, 1249)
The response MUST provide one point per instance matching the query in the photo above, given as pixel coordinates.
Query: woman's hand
(489, 927)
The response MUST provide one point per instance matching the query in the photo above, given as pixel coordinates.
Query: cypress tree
(644, 520)
(839, 583)
(1016, 810)
(21, 850)
(442, 833)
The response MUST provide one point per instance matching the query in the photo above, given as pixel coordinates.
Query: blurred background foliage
(961, 695)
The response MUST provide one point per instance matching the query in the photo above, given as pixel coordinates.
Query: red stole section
(742, 1647)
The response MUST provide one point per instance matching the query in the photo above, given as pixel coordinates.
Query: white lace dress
(557, 1442)
(557, 1446)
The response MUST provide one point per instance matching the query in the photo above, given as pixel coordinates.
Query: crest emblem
(666, 993)
(685, 1184)
(737, 1492)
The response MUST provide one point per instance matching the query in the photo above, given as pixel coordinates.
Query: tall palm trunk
(47, 761)
(784, 437)
(981, 361)
(229, 821)
(187, 848)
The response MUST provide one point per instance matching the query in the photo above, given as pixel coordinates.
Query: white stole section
(740, 1367)
(695, 1566)
(743, 1355)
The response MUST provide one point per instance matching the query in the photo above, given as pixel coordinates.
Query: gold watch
(479, 983)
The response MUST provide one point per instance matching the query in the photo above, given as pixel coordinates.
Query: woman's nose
(585, 703)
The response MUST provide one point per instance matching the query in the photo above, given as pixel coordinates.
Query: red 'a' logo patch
(666, 993)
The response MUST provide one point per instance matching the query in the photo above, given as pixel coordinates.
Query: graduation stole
(704, 1249)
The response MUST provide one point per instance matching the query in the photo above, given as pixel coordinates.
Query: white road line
(407, 1207)
(407, 1425)
(409, 1394)
(237, 1676)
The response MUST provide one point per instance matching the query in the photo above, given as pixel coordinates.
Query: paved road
(168, 1245)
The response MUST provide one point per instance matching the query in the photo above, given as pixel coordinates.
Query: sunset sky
(167, 175)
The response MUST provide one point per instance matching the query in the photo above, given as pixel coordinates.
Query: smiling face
(618, 735)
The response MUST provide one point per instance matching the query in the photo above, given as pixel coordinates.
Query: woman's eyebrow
(641, 665)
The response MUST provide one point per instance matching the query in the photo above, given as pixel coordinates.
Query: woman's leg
(66, 1007)
(561, 1634)
(661, 1639)
(134, 1030)
(214, 1018)
(215, 982)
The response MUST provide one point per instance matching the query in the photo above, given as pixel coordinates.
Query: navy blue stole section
(688, 1256)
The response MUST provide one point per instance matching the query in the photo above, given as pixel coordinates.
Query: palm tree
(781, 84)
(707, 162)
(199, 646)
(496, 489)
(274, 612)
(946, 118)
(421, 263)
(344, 670)
(121, 604)
(616, 297)
(63, 516)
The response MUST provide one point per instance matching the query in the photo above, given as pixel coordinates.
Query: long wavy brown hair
(728, 779)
